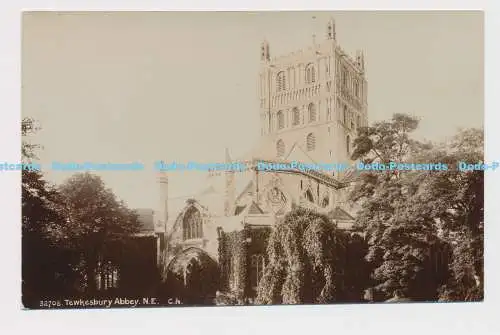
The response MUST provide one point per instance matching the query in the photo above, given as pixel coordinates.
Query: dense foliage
(66, 230)
(95, 220)
(406, 214)
(307, 261)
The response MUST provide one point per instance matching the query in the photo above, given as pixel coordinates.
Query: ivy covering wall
(349, 271)
(235, 250)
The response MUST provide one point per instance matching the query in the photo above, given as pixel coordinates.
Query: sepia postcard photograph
(180, 159)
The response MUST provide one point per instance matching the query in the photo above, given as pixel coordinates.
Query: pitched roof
(339, 214)
(298, 154)
(250, 209)
(239, 209)
(255, 209)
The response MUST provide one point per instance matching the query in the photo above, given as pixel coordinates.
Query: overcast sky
(121, 87)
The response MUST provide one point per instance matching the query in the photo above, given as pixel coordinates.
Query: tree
(46, 268)
(302, 250)
(28, 127)
(95, 222)
(396, 244)
(387, 141)
(455, 199)
(408, 215)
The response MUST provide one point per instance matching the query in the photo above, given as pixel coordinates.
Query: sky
(182, 86)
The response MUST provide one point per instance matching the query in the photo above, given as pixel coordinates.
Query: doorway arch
(192, 276)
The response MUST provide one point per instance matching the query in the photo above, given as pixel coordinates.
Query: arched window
(280, 81)
(310, 74)
(257, 266)
(310, 142)
(356, 88)
(309, 196)
(312, 112)
(348, 144)
(280, 148)
(281, 120)
(325, 202)
(358, 121)
(295, 116)
(344, 115)
(191, 224)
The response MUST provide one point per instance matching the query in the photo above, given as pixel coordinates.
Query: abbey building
(311, 103)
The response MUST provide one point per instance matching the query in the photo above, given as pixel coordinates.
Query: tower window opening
(280, 81)
(280, 148)
(281, 120)
(295, 116)
(312, 113)
(310, 142)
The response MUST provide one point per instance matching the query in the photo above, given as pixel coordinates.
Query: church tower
(315, 98)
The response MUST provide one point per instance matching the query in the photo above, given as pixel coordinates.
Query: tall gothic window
(257, 266)
(281, 120)
(280, 148)
(310, 74)
(312, 112)
(309, 196)
(344, 116)
(280, 81)
(358, 121)
(192, 224)
(348, 144)
(295, 116)
(310, 142)
(325, 202)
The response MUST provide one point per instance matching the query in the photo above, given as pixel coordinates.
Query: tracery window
(309, 196)
(192, 224)
(310, 74)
